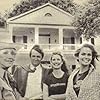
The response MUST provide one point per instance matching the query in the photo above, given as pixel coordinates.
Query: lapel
(85, 82)
(73, 94)
(5, 85)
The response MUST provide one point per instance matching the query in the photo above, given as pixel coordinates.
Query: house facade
(48, 26)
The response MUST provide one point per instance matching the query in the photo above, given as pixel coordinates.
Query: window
(13, 38)
(68, 40)
(73, 67)
(48, 15)
(24, 39)
(92, 40)
(80, 40)
(17, 39)
(72, 40)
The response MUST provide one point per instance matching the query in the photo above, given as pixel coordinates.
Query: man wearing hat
(8, 90)
(29, 77)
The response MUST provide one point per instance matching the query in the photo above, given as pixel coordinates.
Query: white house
(48, 26)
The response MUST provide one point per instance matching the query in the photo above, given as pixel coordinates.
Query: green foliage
(2, 22)
(88, 20)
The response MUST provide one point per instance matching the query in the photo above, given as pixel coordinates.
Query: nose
(10, 56)
(35, 58)
(86, 56)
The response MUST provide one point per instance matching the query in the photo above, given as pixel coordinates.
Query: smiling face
(7, 57)
(36, 58)
(85, 56)
(56, 61)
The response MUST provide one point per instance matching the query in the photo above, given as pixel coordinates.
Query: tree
(2, 21)
(27, 5)
(88, 20)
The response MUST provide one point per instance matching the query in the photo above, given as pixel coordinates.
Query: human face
(56, 61)
(85, 56)
(36, 58)
(7, 57)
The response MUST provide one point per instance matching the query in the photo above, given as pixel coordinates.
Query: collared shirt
(34, 83)
(2, 73)
(6, 92)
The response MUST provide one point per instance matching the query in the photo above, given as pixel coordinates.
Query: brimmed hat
(15, 46)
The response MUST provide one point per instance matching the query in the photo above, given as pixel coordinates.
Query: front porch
(49, 37)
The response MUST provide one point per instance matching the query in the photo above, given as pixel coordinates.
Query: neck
(83, 68)
(58, 73)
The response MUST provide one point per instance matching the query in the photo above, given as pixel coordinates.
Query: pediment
(46, 14)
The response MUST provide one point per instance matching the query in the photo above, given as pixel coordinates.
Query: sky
(8, 4)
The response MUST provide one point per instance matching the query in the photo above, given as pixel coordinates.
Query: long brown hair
(94, 52)
(63, 67)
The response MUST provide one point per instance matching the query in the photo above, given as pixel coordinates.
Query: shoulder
(3, 85)
(73, 74)
(96, 74)
(19, 69)
(66, 75)
(22, 67)
(48, 77)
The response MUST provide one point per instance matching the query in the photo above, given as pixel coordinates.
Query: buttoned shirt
(33, 87)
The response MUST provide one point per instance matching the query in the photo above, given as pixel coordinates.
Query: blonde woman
(84, 82)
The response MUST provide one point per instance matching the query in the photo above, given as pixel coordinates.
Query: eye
(13, 53)
(58, 59)
(89, 54)
(33, 56)
(6, 52)
(38, 57)
(83, 54)
(53, 59)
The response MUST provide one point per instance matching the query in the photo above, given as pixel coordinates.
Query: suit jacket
(20, 74)
(90, 88)
(6, 92)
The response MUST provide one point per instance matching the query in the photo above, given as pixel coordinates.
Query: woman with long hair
(84, 81)
(55, 84)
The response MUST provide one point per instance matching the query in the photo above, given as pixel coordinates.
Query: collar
(1, 72)
(31, 68)
(90, 69)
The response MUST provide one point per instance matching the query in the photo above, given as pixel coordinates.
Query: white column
(10, 34)
(61, 37)
(36, 35)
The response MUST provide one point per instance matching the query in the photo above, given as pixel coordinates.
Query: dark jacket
(20, 74)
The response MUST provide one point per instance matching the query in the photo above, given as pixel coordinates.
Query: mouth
(56, 64)
(9, 60)
(86, 60)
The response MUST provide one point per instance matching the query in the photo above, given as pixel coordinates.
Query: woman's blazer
(90, 88)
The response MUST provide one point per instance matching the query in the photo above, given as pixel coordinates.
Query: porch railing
(51, 47)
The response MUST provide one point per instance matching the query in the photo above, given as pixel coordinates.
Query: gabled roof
(40, 7)
(38, 16)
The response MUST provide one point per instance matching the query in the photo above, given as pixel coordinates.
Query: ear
(50, 62)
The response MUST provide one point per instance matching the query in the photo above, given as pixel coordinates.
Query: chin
(35, 64)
